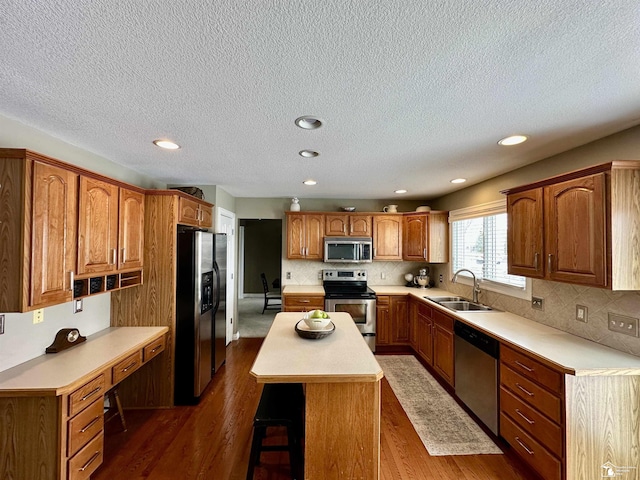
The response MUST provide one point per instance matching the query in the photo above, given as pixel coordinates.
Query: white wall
(23, 340)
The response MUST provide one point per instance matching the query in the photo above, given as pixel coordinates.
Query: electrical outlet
(77, 305)
(383, 275)
(537, 303)
(288, 275)
(320, 275)
(622, 324)
(441, 278)
(38, 316)
(581, 313)
(1, 324)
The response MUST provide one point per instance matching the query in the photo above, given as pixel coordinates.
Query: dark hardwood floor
(212, 440)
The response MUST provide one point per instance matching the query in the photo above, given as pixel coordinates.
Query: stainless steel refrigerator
(200, 298)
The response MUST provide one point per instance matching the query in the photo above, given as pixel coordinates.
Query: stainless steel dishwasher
(476, 373)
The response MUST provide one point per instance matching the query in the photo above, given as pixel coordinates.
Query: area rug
(442, 425)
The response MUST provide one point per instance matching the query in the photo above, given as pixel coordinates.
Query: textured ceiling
(413, 93)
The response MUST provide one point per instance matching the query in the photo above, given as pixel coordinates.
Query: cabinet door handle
(524, 390)
(550, 262)
(305, 301)
(529, 451)
(528, 369)
(530, 422)
(113, 256)
(374, 252)
(124, 255)
(344, 229)
(91, 394)
(350, 228)
(91, 460)
(424, 253)
(90, 424)
(535, 261)
(71, 280)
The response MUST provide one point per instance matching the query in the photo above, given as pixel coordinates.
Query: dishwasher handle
(478, 339)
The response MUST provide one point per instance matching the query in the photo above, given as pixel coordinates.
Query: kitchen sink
(447, 299)
(460, 304)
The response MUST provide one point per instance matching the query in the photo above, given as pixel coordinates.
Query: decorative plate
(304, 331)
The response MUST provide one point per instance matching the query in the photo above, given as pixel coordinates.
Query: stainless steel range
(346, 291)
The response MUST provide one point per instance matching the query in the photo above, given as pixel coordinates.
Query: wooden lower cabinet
(443, 345)
(302, 303)
(393, 326)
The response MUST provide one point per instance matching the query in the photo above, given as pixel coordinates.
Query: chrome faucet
(476, 284)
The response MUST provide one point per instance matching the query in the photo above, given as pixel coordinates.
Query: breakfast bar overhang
(342, 394)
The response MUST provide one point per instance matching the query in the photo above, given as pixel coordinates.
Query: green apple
(325, 315)
(317, 314)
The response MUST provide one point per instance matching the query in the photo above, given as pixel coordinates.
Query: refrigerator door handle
(216, 287)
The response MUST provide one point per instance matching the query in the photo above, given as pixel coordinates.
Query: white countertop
(573, 354)
(54, 372)
(342, 356)
(303, 290)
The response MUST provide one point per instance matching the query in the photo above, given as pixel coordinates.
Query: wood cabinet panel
(536, 396)
(360, 225)
(126, 367)
(383, 322)
(443, 345)
(131, 229)
(305, 233)
(387, 237)
(426, 237)
(84, 396)
(97, 226)
(206, 216)
(414, 232)
(87, 460)
(400, 326)
(336, 225)
(425, 338)
(191, 212)
(525, 233)
(302, 303)
(54, 230)
(533, 369)
(575, 237)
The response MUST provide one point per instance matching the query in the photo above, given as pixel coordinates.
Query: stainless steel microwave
(348, 249)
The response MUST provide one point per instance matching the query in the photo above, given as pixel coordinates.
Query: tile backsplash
(560, 299)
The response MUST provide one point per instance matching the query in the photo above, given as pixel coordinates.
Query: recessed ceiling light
(309, 182)
(513, 140)
(308, 123)
(308, 153)
(458, 180)
(402, 190)
(168, 144)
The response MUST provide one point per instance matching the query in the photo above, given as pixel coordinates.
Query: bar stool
(281, 405)
(115, 408)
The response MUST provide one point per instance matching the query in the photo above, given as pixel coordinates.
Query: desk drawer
(153, 349)
(532, 394)
(87, 460)
(84, 426)
(86, 395)
(531, 421)
(549, 467)
(126, 367)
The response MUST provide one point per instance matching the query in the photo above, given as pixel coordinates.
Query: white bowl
(423, 208)
(316, 323)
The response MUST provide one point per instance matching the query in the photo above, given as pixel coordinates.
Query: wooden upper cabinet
(415, 237)
(576, 238)
(53, 234)
(525, 233)
(387, 237)
(426, 237)
(191, 212)
(345, 225)
(579, 227)
(305, 232)
(131, 229)
(97, 226)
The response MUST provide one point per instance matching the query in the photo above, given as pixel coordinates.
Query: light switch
(38, 316)
(77, 305)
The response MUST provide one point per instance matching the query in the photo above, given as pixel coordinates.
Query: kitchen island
(342, 394)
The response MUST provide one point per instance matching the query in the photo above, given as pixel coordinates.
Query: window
(479, 243)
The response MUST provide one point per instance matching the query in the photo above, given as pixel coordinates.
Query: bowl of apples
(317, 319)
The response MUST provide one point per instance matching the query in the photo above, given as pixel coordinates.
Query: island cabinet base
(342, 431)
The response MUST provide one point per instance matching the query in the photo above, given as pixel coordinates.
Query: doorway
(226, 223)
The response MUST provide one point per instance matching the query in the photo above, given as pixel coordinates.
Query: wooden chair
(270, 297)
(281, 405)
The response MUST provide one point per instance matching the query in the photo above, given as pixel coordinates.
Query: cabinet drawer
(153, 349)
(549, 467)
(443, 320)
(87, 460)
(84, 426)
(126, 367)
(86, 395)
(425, 310)
(531, 421)
(532, 369)
(532, 393)
(382, 300)
(315, 302)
